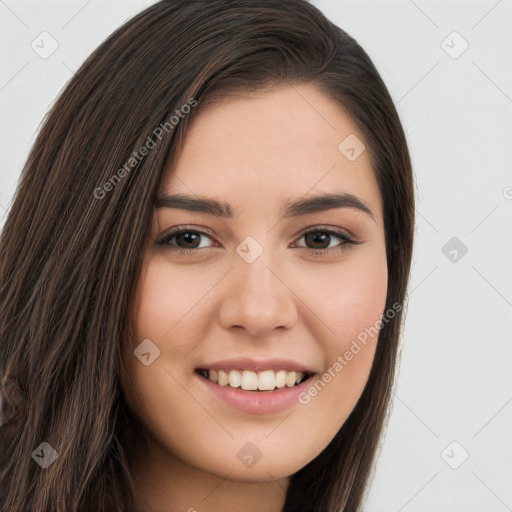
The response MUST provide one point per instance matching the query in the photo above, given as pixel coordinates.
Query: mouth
(255, 381)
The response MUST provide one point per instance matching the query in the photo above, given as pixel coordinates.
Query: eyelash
(347, 241)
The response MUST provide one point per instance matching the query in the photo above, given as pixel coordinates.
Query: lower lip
(258, 402)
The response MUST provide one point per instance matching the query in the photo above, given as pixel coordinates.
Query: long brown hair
(72, 247)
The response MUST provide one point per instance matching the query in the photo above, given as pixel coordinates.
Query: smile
(249, 380)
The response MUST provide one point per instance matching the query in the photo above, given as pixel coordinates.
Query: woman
(204, 269)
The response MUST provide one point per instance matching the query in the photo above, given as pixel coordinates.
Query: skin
(254, 153)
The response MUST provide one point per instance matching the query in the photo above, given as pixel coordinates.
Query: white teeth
(222, 376)
(266, 380)
(234, 379)
(248, 380)
(290, 379)
(280, 379)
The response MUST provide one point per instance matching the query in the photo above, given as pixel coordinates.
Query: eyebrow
(302, 206)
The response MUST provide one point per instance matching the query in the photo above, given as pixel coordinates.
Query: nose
(258, 300)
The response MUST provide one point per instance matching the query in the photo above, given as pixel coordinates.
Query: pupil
(318, 238)
(188, 238)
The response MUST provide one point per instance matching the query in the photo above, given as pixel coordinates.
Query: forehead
(266, 148)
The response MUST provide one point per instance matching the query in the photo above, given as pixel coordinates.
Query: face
(252, 312)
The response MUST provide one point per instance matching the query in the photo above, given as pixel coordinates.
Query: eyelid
(347, 239)
(163, 240)
(342, 235)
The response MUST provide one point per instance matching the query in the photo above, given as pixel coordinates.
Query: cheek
(162, 301)
(349, 297)
(168, 301)
(350, 303)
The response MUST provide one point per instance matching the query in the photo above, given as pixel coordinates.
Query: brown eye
(184, 239)
(317, 240)
(188, 240)
(325, 240)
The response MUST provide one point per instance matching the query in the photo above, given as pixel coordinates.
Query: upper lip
(257, 365)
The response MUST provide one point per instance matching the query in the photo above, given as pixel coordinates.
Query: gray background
(454, 395)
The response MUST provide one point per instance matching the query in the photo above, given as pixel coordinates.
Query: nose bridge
(252, 266)
(257, 280)
(257, 299)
